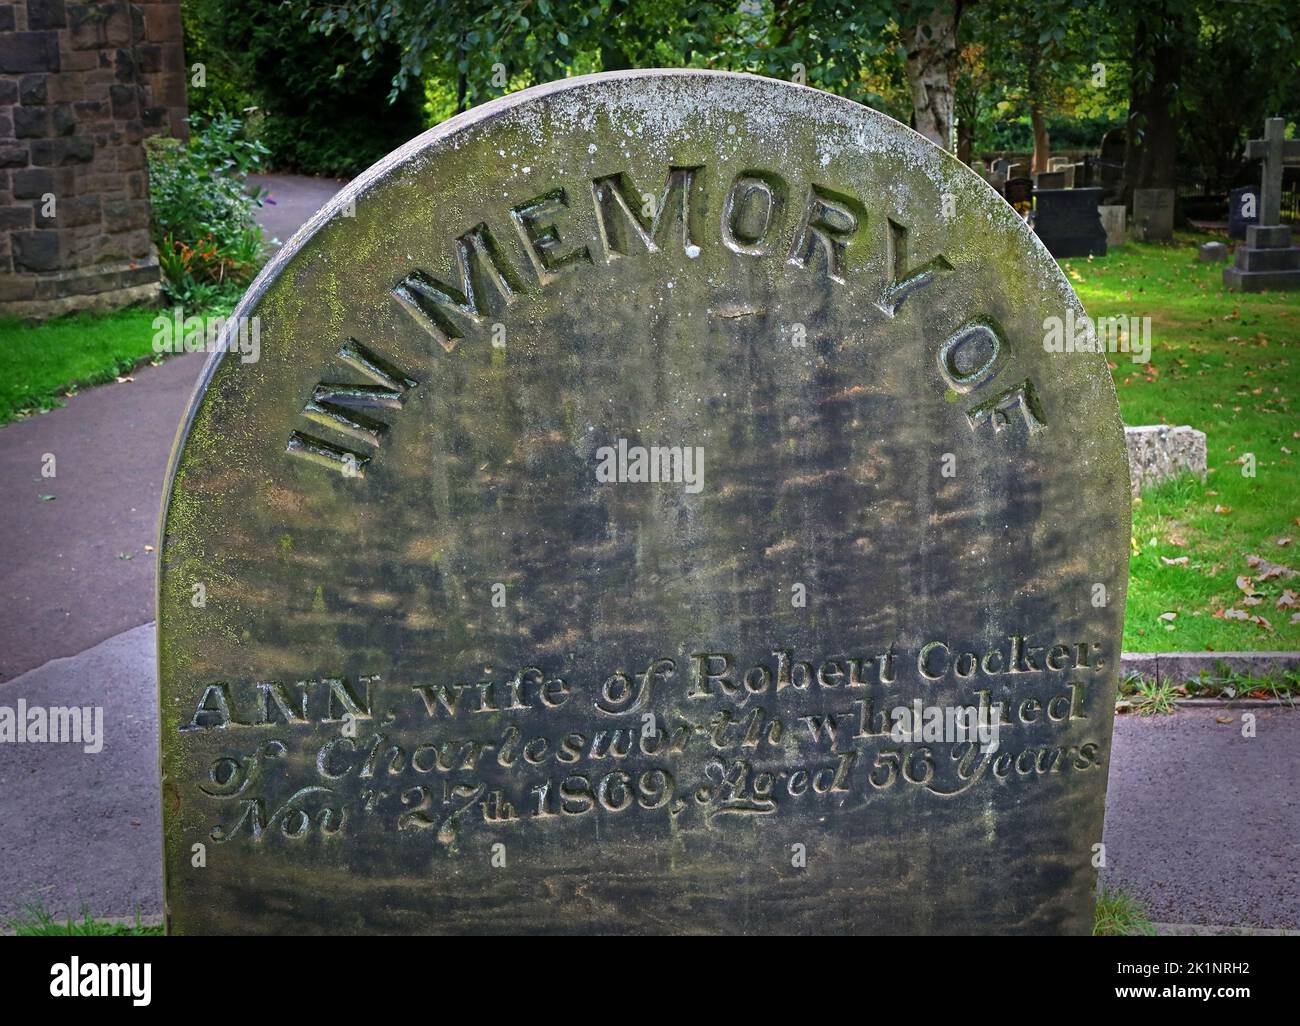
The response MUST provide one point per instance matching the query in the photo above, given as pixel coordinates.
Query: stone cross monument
(1268, 260)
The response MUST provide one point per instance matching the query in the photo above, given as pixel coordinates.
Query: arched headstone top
(616, 458)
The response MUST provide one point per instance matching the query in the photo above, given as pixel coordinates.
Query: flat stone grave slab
(628, 462)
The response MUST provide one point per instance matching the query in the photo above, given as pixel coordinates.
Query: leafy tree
(1039, 59)
(1256, 44)
(848, 47)
(259, 54)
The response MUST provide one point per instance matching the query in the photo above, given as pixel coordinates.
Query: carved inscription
(483, 283)
(337, 406)
(702, 737)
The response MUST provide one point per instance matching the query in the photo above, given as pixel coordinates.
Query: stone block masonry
(81, 87)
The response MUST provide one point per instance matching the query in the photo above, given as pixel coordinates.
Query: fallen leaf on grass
(1167, 616)
(1288, 600)
(1241, 614)
(1267, 570)
(1223, 509)
(1180, 561)
(1284, 541)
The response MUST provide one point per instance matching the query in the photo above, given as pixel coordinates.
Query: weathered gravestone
(1153, 214)
(1049, 180)
(620, 454)
(1019, 192)
(1113, 217)
(1243, 210)
(1068, 222)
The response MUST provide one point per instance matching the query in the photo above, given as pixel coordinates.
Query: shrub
(209, 244)
(324, 108)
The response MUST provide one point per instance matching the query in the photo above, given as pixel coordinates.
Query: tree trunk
(1151, 137)
(1042, 144)
(965, 140)
(932, 69)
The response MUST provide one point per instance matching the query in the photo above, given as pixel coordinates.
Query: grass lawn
(1227, 364)
(40, 362)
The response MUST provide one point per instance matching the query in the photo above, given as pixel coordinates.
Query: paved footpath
(75, 570)
(290, 200)
(1202, 824)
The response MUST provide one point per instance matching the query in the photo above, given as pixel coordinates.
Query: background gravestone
(1153, 214)
(1241, 200)
(1019, 192)
(1113, 218)
(424, 670)
(1068, 222)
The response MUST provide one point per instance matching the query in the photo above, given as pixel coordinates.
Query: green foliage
(1016, 135)
(323, 108)
(478, 49)
(36, 922)
(1153, 698)
(209, 245)
(1224, 682)
(1256, 44)
(1116, 914)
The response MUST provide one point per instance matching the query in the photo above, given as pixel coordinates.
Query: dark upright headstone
(624, 458)
(1243, 210)
(1068, 222)
(1019, 192)
(1049, 180)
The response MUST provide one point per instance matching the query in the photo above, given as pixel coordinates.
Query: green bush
(323, 108)
(209, 244)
